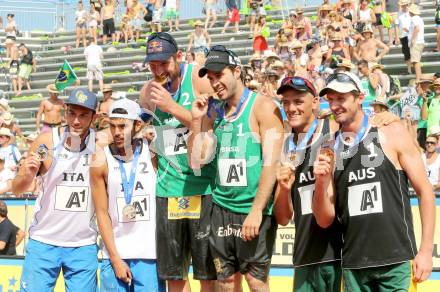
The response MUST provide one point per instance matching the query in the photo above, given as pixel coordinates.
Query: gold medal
(42, 152)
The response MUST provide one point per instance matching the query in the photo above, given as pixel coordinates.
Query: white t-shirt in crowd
(171, 4)
(417, 21)
(432, 170)
(80, 16)
(404, 22)
(5, 175)
(93, 55)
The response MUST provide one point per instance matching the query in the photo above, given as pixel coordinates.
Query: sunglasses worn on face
(300, 83)
(430, 143)
(342, 78)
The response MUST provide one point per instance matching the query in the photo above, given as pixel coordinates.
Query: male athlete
(183, 200)
(63, 232)
(364, 183)
(124, 185)
(243, 130)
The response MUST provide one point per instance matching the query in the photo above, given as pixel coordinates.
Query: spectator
(125, 30)
(366, 16)
(94, 18)
(136, 13)
(10, 235)
(316, 78)
(431, 110)
(424, 96)
(410, 110)
(437, 25)
(190, 57)
(11, 34)
(156, 25)
(233, 15)
(210, 10)
(260, 42)
(14, 67)
(81, 25)
(97, 4)
(347, 10)
(431, 159)
(338, 51)
(8, 121)
(383, 80)
(301, 33)
(6, 177)
(4, 106)
(108, 21)
(404, 23)
(323, 20)
(9, 152)
(344, 65)
(172, 11)
(305, 21)
(199, 42)
(416, 39)
(367, 48)
(315, 53)
(301, 59)
(369, 81)
(94, 56)
(103, 108)
(290, 22)
(149, 133)
(50, 110)
(379, 105)
(27, 65)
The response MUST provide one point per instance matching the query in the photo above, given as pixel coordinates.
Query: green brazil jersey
(174, 176)
(239, 162)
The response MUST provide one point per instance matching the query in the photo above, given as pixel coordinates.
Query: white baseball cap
(126, 109)
(342, 82)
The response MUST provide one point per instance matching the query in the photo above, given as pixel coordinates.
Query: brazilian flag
(66, 77)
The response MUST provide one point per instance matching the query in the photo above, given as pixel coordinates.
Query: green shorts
(25, 71)
(397, 277)
(318, 277)
(172, 13)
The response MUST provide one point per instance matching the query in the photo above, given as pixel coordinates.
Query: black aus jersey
(313, 244)
(373, 205)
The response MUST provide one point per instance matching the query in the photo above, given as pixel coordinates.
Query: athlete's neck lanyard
(220, 107)
(176, 95)
(359, 134)
(129, 185)
(303, 143)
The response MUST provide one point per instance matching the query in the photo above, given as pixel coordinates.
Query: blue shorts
(43, 263)
(144, 274)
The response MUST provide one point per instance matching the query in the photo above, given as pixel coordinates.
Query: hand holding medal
(42, 152)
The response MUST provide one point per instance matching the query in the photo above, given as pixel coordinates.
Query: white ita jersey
(134, 238)
(64, 214)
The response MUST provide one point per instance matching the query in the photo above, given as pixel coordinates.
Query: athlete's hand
(161, 97)
(323, 168)
(251, 225)
(422, 266)
(200, 107)
(122, 271)
(31, 165)
(384, 119)
(285, 177)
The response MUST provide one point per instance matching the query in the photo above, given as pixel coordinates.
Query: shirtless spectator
(315, 53)
(108, 21)
(367, 48)
(301, 59)
(137, 12)
(50, 111)
(103, 107)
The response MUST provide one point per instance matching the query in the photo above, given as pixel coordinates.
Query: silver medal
(129, 212)
(42, 152)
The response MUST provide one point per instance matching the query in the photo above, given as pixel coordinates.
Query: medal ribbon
(359, 134)
(219, 108)
(129, 185)
(303, 143)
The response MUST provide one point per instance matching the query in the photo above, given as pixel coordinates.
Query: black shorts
(108, 26)
(405, 48)
(378, 19)
(232, 254)
(179, 240)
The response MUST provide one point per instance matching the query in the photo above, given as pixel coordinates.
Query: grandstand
(47, 48)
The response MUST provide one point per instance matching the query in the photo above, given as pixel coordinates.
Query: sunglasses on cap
(300, 83)
(344, 78)
(163, 36)
(221, 48)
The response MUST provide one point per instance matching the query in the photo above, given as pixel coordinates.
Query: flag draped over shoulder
(66, 77)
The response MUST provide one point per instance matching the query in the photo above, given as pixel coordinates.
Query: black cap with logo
(219, 58)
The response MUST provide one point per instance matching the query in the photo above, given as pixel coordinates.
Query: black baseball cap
(160, 47)
(219, 58)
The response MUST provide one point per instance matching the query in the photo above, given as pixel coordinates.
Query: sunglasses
(342, 78)
(163, 36)
(430, 143)
(248, 80)
(300, 83)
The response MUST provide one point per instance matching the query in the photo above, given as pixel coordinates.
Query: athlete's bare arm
(201, 141)
(405, 155)
(268, 124)
(283, 207)
(98, 178)
(31, 166)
